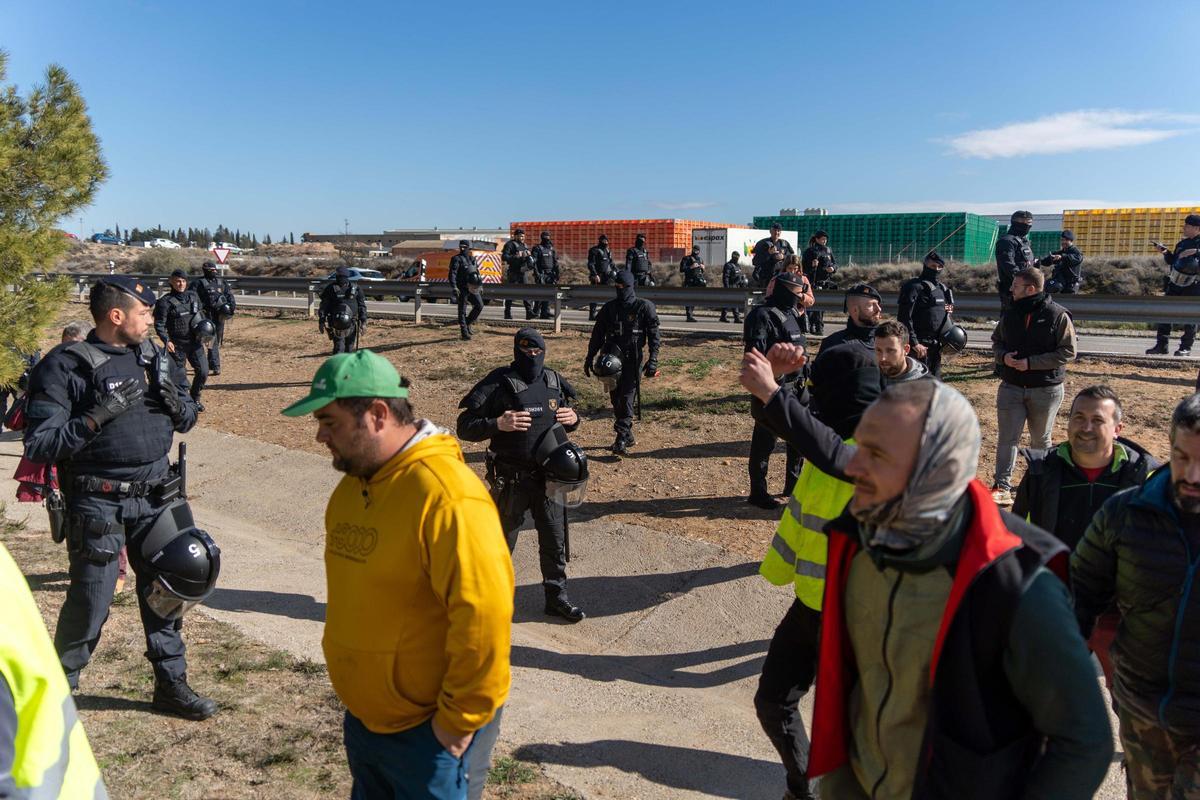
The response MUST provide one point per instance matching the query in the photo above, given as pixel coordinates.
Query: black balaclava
(1020, 224)
(464, 247)
(545, 239)
(625, 283)
(640, 242)
(527, 366)
(210, 269)
(342, 276)
(928, 273)
(604, 242)
(845, 382)
(781, 295)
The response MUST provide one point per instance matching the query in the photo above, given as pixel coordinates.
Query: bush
(161, 261)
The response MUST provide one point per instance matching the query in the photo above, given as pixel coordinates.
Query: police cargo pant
(513, 278)
(623, 394)
(475, 300)
(193, 354)
(933, 358)
(97, 526)
(605, 280)
(1163, 329)
(347, 343)
(762, 444)
(788, 673)
(526, 492)
(214, 350)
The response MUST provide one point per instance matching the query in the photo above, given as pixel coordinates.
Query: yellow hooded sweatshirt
(419, 618)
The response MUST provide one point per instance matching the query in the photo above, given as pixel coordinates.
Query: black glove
(651, 369)
(115, 403)
(587, 367)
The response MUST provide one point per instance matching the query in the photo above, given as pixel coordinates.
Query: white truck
(717, 243)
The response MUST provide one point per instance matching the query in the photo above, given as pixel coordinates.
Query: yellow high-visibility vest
(800, 546)
(52, 758)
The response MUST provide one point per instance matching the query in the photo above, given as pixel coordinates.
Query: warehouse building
(666, 239)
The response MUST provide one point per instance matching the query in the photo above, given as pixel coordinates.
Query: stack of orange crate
(666, 239)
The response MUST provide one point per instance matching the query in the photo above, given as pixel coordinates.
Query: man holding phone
(1183, 279)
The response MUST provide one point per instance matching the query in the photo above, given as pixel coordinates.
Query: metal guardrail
(1083, 307)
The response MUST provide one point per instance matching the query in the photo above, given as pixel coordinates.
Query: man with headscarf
(545, 270)
(637, 261)
(1013, 254)
(950, 664)
(924, 309)
(514, 409)
(850, 383)
(219, 304)
(1139, 553)
(776, 319)
(600, 268)
(624, 326)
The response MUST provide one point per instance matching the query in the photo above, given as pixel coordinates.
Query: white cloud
(687, 205)
(1073, 131)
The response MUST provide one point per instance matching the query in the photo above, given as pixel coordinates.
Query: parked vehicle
(164, 243)
(364, 275)
(105, 238)
(232, 248)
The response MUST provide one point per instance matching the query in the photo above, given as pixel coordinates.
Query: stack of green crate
(877, 238)
(1041, 242)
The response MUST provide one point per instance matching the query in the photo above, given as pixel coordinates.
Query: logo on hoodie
(352, 541)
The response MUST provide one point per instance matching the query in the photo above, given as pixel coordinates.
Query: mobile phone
(1159, 245)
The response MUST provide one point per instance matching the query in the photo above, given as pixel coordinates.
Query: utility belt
(165, 489)
(501, 471)
(1181, 279)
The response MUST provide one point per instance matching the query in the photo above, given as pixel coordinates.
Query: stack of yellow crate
(1125, 231)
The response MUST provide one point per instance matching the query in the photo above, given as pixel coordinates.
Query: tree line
(197, 236)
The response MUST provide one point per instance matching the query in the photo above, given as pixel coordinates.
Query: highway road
(1089, 344)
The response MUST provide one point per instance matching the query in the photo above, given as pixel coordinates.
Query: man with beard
(1013, 254)
(950, 662)
(1032, 344)
(637, 261)
(1064, 488)
(1139, 552)
(517, 265)
(515, 409)
(776, 319)
(864, 307)
(925, 307)
(600, 268)
(623, 328)
(891, 354)
(769, 256)
(417, 575)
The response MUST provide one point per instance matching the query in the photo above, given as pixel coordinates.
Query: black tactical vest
(640, 262)
(544, 258)
(786, 329)
(541, 399)
(141, 435)
(182, 311)
(929, 312)
(214, 291)
(626, 335)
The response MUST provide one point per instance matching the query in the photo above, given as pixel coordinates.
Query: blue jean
(413, 765)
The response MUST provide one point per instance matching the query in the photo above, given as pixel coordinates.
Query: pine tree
(117, 231)
(292, 238)
(267, 239)
(52, 168)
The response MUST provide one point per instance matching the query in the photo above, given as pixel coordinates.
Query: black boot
(620, 446)
(737, 317)
(724, 316)
(465, 333)
(764, 501)
(199, 405)
(1159, 349)
(560, 606)
(178, 698)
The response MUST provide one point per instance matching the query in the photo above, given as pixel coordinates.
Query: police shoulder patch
(553, 403)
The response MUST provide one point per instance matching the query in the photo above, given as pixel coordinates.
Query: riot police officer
(468, 285)
(776, 320)
(342, 312)
(1013, 254)
(104, 411)
(517, 265)
(819, 266)
(925, 307)
(692, 269)
(524, 410)
(545, 270)
(732, 277)
(637, 261)
(623, 328)
(600, 268)
(218, 303)
(770, 254)
(180, 322)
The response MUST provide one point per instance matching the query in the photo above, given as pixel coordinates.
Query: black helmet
(955, 337)
(224, 310)
(607, 365)
(205, 331)
(564, 465)
(341, 321)
(185, 562)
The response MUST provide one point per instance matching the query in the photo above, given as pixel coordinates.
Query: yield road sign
(221, 253)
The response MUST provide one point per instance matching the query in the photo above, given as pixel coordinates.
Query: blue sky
(294, 116)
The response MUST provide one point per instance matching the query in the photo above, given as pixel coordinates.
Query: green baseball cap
(358, 374)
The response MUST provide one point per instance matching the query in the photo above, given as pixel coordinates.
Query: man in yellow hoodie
(419, 615)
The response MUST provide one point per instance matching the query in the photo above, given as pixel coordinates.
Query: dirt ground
(687, 473)
(278, 733)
